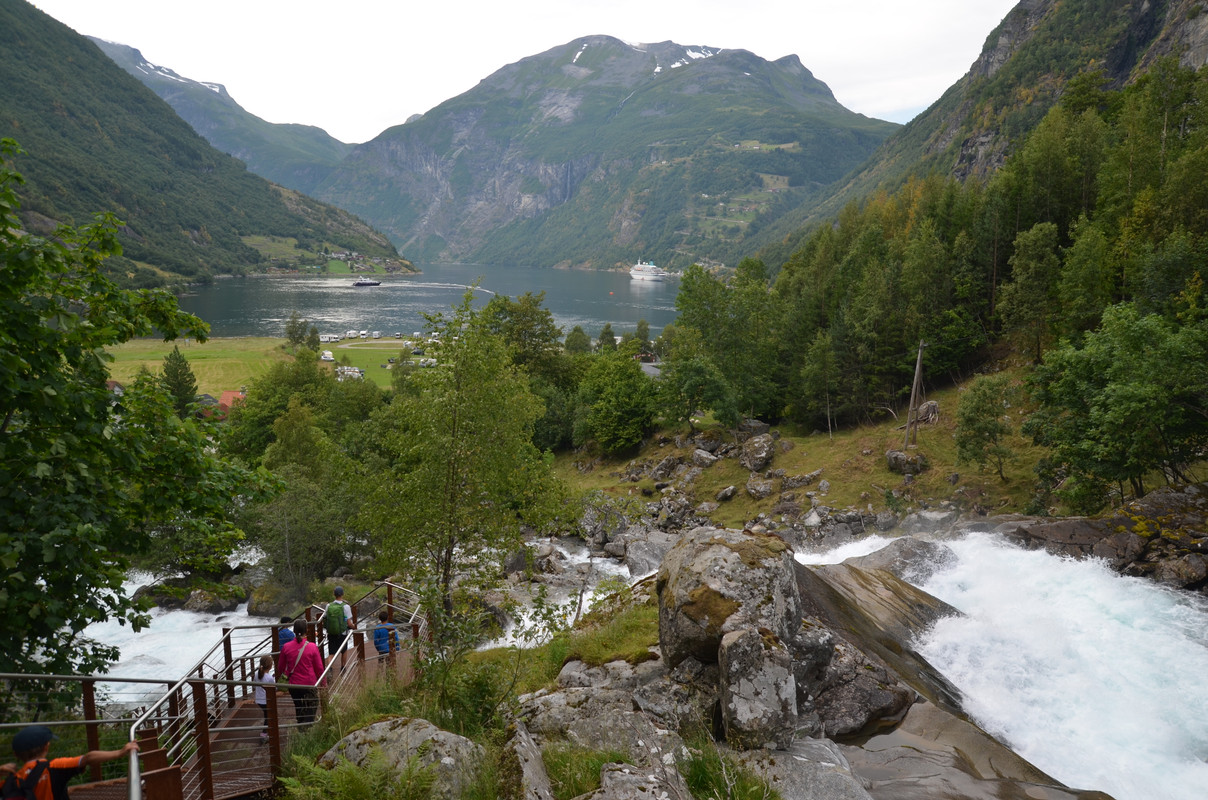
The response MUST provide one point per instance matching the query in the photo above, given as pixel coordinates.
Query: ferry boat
(366, 282)
(646, 271)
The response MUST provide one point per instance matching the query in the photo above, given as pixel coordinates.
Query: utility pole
(914, 393)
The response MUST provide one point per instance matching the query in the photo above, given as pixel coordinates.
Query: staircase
(201, 736)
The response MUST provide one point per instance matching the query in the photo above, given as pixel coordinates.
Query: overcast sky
(356, 67)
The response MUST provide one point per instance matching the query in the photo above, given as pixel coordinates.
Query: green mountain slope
(297, 156)
(1025, 66)
(98, 140)
(599, 152)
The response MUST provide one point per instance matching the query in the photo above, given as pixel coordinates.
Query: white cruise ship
(645, 271)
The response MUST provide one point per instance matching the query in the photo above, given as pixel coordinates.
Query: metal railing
(202, 736)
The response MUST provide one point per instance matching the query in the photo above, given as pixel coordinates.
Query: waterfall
(1097, 679)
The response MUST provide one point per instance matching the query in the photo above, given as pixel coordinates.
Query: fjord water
(260, 305)
(1099, 680)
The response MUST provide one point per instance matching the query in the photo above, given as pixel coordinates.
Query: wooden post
(914, 392)
(390, 603)
(91, 732)
(205, 766)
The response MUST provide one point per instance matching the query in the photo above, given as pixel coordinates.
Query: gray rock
(626, 782)
(714, 581)
(665, 468)
(727, 494)
(453, 760)
(913, 560)
(757, 452)
(929, 521)
(812, 769)
(905, 463)
(706, 508)
(685, 699)
(521, 760)
(799, 481)
(643, 556)
(703, 458)
(759, 488)
(758, 691)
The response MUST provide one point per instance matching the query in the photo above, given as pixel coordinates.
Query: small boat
(645, 271)
(366, 282)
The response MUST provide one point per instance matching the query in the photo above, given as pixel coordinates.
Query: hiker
(48, 777)
(302, 664)
(339, 621)
(264, 680)
(384, 635)
(285, 634)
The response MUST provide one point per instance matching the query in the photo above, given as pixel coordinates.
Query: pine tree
(180, 382)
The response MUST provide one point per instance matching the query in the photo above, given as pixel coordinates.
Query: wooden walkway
(205, 738)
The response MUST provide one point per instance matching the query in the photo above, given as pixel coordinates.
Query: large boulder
(757, 452)
(714, 581)
(758, 693)
(452, 760)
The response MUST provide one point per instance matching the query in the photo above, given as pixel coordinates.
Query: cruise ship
(645, 271)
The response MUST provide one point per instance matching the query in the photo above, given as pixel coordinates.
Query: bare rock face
(758, 692)
(452, 759)
(714, 581)
(757, 452)
(625, 782)
(522, 769)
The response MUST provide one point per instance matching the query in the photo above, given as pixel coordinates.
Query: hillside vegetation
(97, 140)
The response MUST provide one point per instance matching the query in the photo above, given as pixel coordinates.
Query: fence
(202, 736)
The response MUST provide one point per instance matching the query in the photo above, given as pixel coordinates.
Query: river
(260, 305)
(1094, 678)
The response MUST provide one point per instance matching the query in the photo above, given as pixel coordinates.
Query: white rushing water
(1096, 679)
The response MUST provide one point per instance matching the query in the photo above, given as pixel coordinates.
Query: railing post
(359, 638)
(390, 603)
(230, 667)
(91, 734)
(201, 710)
(274, 730)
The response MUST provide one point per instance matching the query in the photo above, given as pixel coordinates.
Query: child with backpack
(46, 778)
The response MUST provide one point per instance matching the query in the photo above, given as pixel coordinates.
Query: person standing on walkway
(339, 621)
(46, 778)
(301, 664)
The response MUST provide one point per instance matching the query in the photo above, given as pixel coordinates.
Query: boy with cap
(49, 777)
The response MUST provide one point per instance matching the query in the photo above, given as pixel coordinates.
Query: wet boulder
(716, 580)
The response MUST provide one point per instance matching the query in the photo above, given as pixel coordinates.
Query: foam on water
(854, 549)
(1096, 679)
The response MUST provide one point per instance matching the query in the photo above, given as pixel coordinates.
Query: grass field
(218, 364)
(222, 364)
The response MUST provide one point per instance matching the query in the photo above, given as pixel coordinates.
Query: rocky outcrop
(451, 760)
(1163, 536)
(714, 581)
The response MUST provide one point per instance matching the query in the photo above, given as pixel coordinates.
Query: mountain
(98, 140)
(600, 152)
(297, 156)
(1025, 66)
